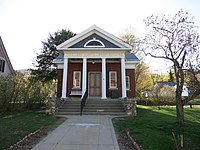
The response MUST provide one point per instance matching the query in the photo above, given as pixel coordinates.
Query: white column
(123, 75)
(64, 82)
(103, 78)
(84, 76)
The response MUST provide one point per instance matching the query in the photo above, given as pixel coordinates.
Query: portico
(97, 62)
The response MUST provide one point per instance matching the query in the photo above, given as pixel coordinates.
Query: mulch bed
(28, 141)
(126, 142)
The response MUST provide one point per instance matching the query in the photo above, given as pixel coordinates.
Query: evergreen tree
(171, 76)
(45, 68)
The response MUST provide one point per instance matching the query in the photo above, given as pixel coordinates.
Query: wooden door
(95, 84)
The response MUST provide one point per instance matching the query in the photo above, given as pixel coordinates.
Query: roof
(5, 55)
(94, 29)
(169, 83)
(131, 57)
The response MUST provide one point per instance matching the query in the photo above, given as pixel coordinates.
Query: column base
(63, 98)
(124, 98)
(104, 98)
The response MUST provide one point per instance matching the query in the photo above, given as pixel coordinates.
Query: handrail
(83, 101)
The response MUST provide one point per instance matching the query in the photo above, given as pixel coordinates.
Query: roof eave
(92, 49)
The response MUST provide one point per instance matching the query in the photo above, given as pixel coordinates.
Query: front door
(95, 84)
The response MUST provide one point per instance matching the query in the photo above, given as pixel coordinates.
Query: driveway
(89, 132)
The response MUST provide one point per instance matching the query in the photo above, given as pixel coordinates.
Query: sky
(25, 23)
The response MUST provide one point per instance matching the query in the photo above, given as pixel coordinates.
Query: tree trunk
(179, 111)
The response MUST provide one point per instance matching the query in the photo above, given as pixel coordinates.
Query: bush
(19, 92)
(160, 96)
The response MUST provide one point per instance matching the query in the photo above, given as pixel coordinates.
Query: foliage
(15, 126)
(167, 94)
(175, 39)
(154, 129)
(19, 92)
(45, 68)
(159, 96)
(143, 80)
(171, 76)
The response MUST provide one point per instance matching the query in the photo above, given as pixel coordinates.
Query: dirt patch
(29, 141)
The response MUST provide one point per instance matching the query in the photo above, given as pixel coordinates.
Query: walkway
(93, 132)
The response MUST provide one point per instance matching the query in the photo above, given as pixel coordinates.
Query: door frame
(89, 83)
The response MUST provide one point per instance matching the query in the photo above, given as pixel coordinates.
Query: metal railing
(83, 101)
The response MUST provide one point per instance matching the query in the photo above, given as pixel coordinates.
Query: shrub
(20, 92)
(160, 96)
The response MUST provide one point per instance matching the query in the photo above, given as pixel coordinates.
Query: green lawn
(15, 126)
(195, 101)
(153, 129)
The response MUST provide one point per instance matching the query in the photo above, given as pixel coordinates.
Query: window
(127, 83)
(94, 43)
(77, 79)
(2, 65)
(113, 79)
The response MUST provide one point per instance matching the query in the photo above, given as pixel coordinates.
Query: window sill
(113, 88)
(76, 88)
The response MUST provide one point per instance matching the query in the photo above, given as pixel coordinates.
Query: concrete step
(91, 113)
(103, 105)
(93, 107)
(68, 113)
(69, 110)
(103, 113)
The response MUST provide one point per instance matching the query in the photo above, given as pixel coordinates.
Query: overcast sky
(25, 23)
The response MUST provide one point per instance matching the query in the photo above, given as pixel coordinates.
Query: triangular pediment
(96, 41)
(94, 37)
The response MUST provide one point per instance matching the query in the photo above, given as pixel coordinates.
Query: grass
(195, 101)
(14, 127)
(153, 129)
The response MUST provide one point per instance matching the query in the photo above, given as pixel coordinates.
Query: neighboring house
(97, 62)
(161, 84)
(5, 64)
(185, 91)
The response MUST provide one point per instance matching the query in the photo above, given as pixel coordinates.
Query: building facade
(5, 64)
(96, 62)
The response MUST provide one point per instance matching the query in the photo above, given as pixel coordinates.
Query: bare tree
(142, 69)
(128, 35)
(175, 39)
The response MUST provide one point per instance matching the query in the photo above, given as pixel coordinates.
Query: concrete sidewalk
(90, 132)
